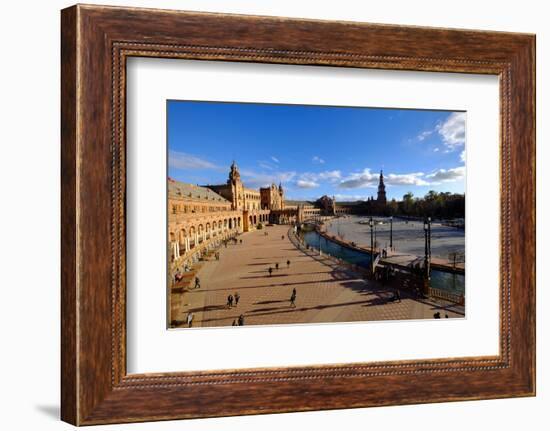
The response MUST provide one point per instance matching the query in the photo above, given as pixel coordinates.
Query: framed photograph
(267, 215)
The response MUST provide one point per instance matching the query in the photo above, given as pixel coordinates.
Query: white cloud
(424, 135)
(317, 159)
(463, 156)
(453, 130)
(255, 179)
(360, 179)
(369, 179)
(330, 175)
(447, 175)
(412, 179)
(316, 177)
(305, 184)
(178, 160)
(275, 159)
(436, 150)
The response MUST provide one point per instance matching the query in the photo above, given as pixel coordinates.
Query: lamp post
(427, 252)
(371, 225)
(391, 232)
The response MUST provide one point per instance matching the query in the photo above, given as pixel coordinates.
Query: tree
(408, 203)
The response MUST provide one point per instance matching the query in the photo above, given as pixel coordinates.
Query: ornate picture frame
(96, 41)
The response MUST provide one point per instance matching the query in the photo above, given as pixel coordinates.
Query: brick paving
(326, 292)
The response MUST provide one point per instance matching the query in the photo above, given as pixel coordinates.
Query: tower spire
(381, 198)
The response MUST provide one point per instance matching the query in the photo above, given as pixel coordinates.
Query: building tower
(281, 197)
(381, 199)
(236, 185)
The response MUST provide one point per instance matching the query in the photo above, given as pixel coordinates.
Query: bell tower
(234, 181)
(281, 197)
(381, 198)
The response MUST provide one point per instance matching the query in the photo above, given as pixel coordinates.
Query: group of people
(233, 240)
(239, 321)
(178, 276)
(270, 269)
(396, 297)
(233, 299)
(385, 274)
(266, 234)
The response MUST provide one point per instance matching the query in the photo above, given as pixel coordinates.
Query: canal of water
(439, 279)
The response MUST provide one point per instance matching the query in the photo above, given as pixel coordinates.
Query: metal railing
(456, 298)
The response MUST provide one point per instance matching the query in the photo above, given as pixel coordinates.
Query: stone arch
(230, 223)
(192, 233)
(182, 237)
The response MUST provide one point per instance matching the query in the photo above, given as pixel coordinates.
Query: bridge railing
(456, 298)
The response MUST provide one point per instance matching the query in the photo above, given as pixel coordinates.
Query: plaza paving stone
(326, 292)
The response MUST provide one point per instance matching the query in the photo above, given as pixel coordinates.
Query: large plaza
(326, 291)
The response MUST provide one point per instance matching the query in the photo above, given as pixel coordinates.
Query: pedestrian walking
(237, 297)
(230, 301)
(241, 320)
(288, 263)
(277, 265)
(189, 319)
(197, 283)
(241, 242)
(234, 322)
(293, 299)
(270, 270)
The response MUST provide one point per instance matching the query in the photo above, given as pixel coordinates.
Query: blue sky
(317, 150)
